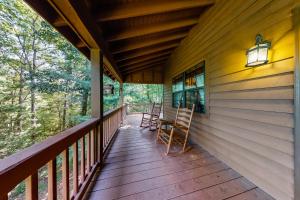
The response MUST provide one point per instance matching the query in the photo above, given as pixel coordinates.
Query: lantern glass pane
(263, 54)
(252, 55)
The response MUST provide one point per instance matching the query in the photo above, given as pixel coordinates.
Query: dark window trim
(184, 90)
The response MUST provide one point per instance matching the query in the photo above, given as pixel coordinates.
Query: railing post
(121, 100)
(97, 94)
(101, 109)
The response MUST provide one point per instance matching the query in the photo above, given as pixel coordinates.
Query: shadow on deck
(136, 168)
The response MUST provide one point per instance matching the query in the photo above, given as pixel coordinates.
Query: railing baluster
(99, 142)
(88, 152)
(75, 168)
(82, 163)
(92, 147)
(65, 174)
(109, 129)
(96, 144)
(52, 190)
(31, 182)
(104, 133)
(99, 132)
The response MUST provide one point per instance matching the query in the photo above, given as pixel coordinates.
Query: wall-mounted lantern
(258, 55)
(108, 89)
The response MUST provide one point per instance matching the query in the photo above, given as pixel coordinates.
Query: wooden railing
(87, 145)
(134, 108)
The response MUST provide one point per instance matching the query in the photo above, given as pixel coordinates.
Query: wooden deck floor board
(136, 168)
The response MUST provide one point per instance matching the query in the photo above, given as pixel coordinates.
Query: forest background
(45, 81)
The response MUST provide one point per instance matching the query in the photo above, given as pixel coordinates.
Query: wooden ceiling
(133, 34)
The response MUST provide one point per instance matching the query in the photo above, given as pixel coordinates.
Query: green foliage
(44, 80)
(45, 83)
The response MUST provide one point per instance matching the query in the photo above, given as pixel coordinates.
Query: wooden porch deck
(136, 168)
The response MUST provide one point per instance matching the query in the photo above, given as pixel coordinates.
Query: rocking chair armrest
(179, 127)
(165, 122)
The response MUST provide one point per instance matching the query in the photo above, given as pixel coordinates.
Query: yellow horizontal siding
(249, 119)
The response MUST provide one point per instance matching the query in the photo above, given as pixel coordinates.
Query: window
(177, 88)
(188, 88)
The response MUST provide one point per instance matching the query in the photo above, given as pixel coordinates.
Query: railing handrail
(16, 167)
(112, 111)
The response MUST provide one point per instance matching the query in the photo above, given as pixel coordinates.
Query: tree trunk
(12, 128)
(64, 112)
(19, 119)
(32, 72)
(84, 102)
(85, 93)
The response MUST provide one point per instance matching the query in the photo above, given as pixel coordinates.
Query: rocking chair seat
(178, 137)
(149, 119)
(179, 129)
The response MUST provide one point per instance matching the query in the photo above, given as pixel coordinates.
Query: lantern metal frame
(259, 45)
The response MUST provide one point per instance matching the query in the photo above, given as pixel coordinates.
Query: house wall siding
(249, 119)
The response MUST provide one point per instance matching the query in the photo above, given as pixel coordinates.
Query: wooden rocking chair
(150, 119)
(179, 132)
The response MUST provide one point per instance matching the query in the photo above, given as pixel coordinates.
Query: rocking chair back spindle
(179, 132)
(149, 119)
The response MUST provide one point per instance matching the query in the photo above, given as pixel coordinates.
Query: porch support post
(95, 82)
(121, 95)
(97, 94)
(296, 24)
(101, 107)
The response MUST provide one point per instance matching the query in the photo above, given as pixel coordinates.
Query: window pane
(177, 98)
(190, 81)
(194, 78)
(200, 80)
(196, 97)
(177, 84)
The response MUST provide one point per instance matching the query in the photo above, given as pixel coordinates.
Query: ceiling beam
(59, 22)
(79, 18)
(149, 63)
(80, 44)
(152, 28)
(144, 63)
(145, 58)
(124, 11)
(146, 52)
(153, 65)
(150, 42)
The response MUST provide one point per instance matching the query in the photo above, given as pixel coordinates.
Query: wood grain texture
(146, 173)
(31, 185)
(250, 117)
(52, 181)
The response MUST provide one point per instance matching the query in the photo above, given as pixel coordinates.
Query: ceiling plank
(146, 43)
(124, 11)
(80, 44)
(59, 22)
(78, 17)
(146, 52)
(145, 58)
(154, 28)
(153, 65)
(144, 63)
(137, 66)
